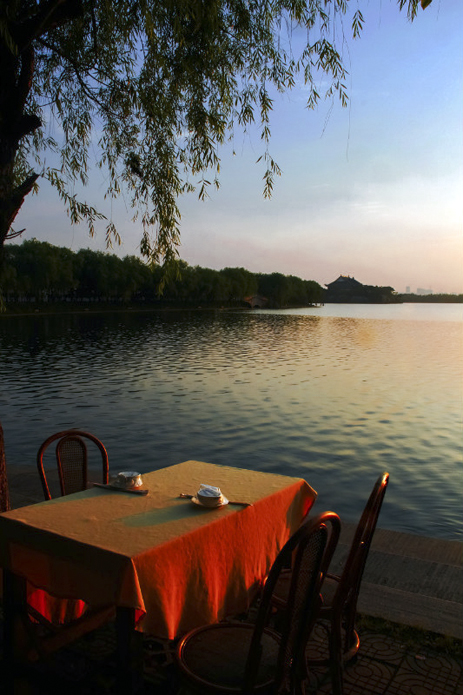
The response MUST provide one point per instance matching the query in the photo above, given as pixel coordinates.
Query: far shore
(85, 308)
(101, 308)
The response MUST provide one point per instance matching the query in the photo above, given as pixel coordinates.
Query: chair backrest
(72, 461)
(346, 596)
(311, 549)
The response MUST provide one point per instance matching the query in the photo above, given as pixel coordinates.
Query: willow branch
(51, 14)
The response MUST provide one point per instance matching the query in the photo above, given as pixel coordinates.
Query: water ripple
(333, 399)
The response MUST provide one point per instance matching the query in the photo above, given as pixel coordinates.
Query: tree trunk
(15, 84)
(17, 59)
(4, 495)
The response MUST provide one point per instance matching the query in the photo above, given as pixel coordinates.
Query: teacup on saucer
(128, 479)
(210, 496)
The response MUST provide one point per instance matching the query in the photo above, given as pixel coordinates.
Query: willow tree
(149, 90)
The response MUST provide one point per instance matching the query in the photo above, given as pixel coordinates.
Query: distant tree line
(38, 272)
(431, 298)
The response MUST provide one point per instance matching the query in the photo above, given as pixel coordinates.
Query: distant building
(256, 301)
(346, 289)
(420, 290)
(407, 289)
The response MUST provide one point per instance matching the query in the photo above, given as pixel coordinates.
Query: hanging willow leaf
(149, 90)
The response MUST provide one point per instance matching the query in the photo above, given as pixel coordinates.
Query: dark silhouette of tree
(152, 88)
(41, 272)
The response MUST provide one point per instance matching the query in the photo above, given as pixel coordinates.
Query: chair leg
(336, 661)
(20, 639)
(129, 653)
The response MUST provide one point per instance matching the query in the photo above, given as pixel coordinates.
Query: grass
(412, 638)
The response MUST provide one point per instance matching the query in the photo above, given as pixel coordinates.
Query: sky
(374, 190)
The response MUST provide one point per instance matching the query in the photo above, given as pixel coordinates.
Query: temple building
(256, 301)
(346, 289)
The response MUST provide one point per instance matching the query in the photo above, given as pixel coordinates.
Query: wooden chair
(72, 461)
(252, 658)
(340, 592)
(51, 622)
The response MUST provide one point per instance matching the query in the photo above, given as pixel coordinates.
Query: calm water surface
(336, 395)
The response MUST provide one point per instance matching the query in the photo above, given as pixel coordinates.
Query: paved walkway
(409, 580)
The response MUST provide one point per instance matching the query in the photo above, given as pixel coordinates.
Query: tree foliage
(288, 290)
(40, 272)
(150, 90)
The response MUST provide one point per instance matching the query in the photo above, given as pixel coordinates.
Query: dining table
(167, 563)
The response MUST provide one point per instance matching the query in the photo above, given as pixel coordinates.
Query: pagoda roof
(344, 282)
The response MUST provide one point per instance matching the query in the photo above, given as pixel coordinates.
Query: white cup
(209, 496)
(128, 479)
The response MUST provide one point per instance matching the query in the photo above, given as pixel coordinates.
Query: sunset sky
(373, 191)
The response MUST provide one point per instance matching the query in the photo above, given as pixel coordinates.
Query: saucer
(195, 500)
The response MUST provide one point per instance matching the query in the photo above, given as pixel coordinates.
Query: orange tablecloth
(178, 564)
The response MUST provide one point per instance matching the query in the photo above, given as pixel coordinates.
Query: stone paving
(384, 666)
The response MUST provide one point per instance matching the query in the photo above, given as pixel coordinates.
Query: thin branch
(85, 87)
(51, 14)
(12, 234)
(17, 198)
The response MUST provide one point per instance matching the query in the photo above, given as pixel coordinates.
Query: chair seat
(215, 656)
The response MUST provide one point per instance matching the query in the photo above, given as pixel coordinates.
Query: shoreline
(86, 308)
(138, 310)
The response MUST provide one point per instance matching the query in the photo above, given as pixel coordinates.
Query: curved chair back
(72, 460)
(311, 549)
(346, 596)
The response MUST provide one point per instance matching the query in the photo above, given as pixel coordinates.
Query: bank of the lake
(58, 308)
(50, 308)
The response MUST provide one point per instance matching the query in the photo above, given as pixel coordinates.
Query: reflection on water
(333, 399)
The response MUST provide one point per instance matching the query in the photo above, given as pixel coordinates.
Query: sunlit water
(336, 395)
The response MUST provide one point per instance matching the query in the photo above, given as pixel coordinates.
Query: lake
(335, 394)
